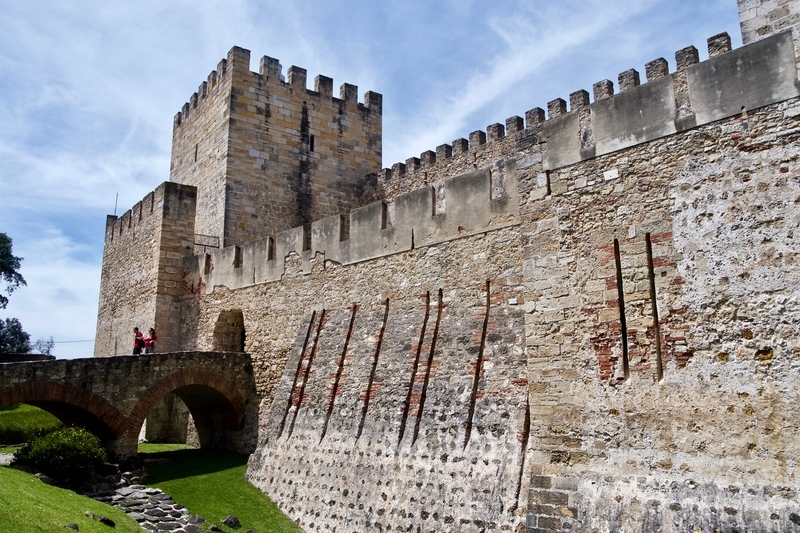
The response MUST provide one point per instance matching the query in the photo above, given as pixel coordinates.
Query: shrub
(70, 455)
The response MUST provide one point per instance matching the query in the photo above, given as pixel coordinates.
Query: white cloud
(61, 294)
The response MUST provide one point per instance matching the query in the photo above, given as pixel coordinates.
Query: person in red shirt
(138, 341)
(150, 341)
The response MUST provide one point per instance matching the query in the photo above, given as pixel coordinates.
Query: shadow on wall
(229, 334)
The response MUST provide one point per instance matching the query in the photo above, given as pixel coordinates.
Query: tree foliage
(13, 338)
(9, 269)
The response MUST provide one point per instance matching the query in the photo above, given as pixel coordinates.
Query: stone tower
(267, 155)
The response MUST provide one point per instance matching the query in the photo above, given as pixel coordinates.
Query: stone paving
(153, 509)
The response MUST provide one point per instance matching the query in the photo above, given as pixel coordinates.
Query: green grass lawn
(212, 485)
(154, 447)
(29, 506)
(20, 422)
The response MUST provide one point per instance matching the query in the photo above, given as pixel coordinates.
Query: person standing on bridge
(150, 341)
(138, 342)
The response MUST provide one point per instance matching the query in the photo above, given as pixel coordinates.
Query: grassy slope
(212, 484)
(21, 419)
(29, 506)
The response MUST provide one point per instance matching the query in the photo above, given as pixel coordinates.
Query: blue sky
(88, 90)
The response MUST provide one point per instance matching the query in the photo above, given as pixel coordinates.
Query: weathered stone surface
(116, 394)
(602, 339)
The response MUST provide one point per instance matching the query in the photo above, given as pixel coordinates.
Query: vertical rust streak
(623, 324)
(407, 404)
(290, 402)
(656, 325)
(372, 373)
(526, 435)
(478, 365)
(428, 370)
(335, 389)
(308, 371)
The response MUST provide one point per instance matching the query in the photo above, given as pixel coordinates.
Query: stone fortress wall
(143, 257)
(583, 323)
(267, 155)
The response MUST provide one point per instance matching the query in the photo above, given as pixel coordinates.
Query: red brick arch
(59, 393)
(186, 377)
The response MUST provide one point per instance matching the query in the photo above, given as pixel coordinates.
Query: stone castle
(579, 322)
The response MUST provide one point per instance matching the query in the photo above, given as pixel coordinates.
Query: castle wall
(307, 341)
(691, 424)
(580, 323)
(657, 293)
(200, 138)
(762, 18)
(140, 284)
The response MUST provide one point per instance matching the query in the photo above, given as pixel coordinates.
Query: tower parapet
(267, 153)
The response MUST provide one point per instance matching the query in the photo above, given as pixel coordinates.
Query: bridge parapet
(113, 395)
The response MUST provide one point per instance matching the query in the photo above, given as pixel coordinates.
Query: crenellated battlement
(465, 205)
(130, 219)
(262, 132)
(148, 214)
(696, 93)
(270, 73)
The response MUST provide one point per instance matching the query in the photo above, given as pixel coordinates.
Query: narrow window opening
(311, 143)
(306, 237)
(623, 325)
(547, 181)
(195, 153)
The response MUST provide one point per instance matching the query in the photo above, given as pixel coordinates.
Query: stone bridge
(112, 396)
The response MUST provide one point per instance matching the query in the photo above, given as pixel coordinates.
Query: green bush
(23, 423)
(70, 455)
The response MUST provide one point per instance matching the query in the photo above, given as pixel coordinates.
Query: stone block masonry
(111, 396)
(583, 321)
(140, 284)
(268, 155)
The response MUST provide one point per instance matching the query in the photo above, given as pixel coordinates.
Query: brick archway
(69, 404)
(207, 394)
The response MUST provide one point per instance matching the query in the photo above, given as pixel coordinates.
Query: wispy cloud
(63, 284)
(531, 40)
